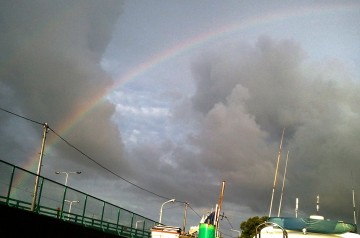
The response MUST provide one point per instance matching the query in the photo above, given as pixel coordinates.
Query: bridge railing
(56, 200)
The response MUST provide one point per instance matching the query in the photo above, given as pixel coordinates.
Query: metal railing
(56, 200)
(272, 225)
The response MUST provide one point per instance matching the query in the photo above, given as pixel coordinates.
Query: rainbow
(185, 47)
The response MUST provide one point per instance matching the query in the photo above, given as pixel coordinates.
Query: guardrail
(17, 189)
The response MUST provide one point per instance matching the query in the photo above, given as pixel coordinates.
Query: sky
(178, 96)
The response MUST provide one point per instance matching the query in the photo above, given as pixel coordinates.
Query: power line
(68, 143)
(194, 211)
(229, 222)
(88, 157)
(21, 116)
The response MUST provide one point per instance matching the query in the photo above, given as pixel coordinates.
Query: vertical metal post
(132, 225)
(102, 213)
(118, 219)
(63, 203)
(39, 167)
(10, 186)
(84, 209)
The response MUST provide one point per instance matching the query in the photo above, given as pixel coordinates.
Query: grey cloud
(50, 71)
(248, 94)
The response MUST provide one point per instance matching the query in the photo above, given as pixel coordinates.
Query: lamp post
(237, 231)
(171, 200)
(137, 223)
(70, 202)
(67, 175)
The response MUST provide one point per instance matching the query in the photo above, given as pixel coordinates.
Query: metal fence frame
(17, 190)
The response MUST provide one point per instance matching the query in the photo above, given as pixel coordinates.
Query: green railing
(62, 202)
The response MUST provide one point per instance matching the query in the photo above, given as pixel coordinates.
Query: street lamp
(67, 175)
(237, 231)
(137, 223)
(171, 200)
(71, 202)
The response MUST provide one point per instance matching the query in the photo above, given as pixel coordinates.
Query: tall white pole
(276, 171)
(296, 207)
(283, 184)
(39, 167)
(317, 204)
(353, 197)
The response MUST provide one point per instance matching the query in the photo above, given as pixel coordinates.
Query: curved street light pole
(237, 231)
(71, 202)
(171, 200)
(67, 175)
(137, 223)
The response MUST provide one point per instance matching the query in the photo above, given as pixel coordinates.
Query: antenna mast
(282, 189)
(353, 197)
(317, 204)
(276, 171)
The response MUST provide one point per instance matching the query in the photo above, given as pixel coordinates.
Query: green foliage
(248, 228)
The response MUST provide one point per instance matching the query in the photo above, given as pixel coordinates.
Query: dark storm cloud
(230, 128)
(50, 70)
(247, 95)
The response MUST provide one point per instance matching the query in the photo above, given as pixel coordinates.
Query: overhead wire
(97, 163)
(81, 152)
(28, 119)
(87, 156)
(194, 211)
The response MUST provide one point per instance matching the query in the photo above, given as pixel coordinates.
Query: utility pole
(217, 213)
(186, 205)
(46, 127)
